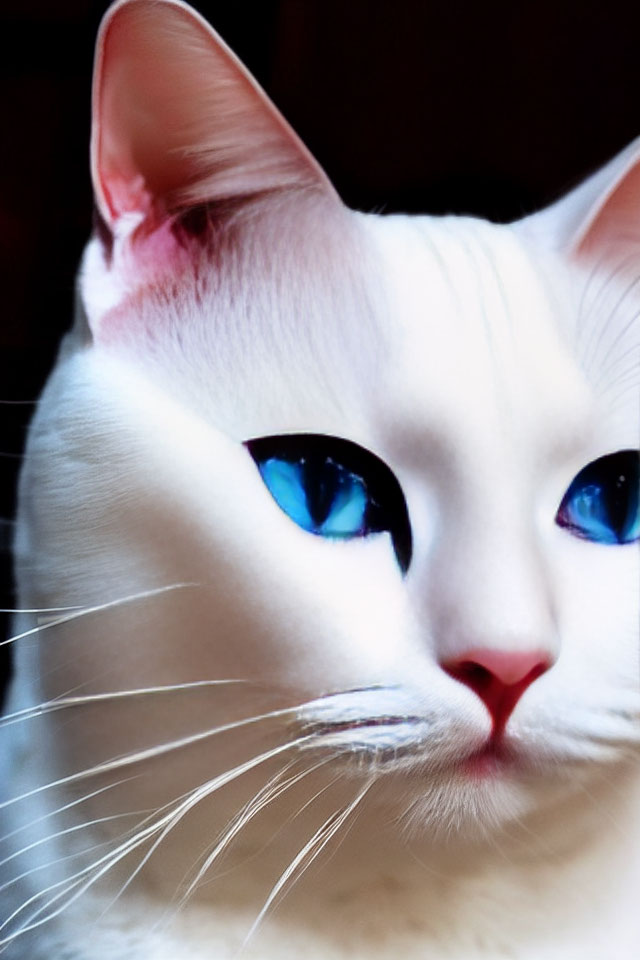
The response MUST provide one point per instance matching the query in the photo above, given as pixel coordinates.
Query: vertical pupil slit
(322, 479)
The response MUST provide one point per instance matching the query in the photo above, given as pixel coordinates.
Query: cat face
(380, 474)
(457, 393)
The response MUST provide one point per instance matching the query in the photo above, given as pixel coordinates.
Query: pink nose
(498, 677)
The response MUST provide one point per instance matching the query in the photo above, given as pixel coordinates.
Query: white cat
(328, 554)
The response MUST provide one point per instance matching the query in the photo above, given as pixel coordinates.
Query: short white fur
(241, 738)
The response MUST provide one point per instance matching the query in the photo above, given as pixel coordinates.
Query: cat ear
(602, 214)
(177, 120)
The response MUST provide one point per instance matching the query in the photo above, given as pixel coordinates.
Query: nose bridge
(489, 586)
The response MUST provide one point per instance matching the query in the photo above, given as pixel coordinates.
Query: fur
(228, 734)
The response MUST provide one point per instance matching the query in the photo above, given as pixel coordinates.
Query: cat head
(384, 468)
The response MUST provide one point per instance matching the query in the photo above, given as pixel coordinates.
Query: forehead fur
(281, 302)
(299, 314)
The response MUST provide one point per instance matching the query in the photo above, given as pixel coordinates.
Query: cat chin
(461, 809)
(458, 808)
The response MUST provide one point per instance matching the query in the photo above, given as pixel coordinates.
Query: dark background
(492, 108)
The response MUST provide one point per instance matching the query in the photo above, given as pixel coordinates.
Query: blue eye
(333, 488)
(327, 499)
(603, 502)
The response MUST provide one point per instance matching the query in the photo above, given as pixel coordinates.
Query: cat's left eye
(333, 488)
(603, 502)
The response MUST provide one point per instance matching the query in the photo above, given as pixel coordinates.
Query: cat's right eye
(334, 488)
(603, 502)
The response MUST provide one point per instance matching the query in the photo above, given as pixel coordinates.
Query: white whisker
(94, 872)
(149, 753)
(206, 790)
(62, 703)
(106, 863)
(54, 836)
(77, 606)
(305, 857)
(33, 923)
(226, 836)
(62, 809)
(318, 792)
(98, 608)
(270, 792)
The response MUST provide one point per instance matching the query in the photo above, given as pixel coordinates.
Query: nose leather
(498, 677)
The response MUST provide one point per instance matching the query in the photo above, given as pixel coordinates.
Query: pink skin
(499, 678)
(146, 259)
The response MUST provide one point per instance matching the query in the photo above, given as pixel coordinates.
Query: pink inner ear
(603, 211)
(126, 194)
(139, 87)
(617, 222)
(178, 120)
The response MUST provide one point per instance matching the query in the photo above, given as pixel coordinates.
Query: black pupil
(323, 480)
(623, 501)
(617, 476)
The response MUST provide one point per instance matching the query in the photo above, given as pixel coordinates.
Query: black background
(492, 108)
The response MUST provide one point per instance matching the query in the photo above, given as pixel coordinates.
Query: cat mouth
(395, 744)
(493, 759)
(356, 726)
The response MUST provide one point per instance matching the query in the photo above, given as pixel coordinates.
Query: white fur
(486, 366)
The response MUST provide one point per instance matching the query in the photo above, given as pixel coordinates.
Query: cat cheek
(359, 635)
